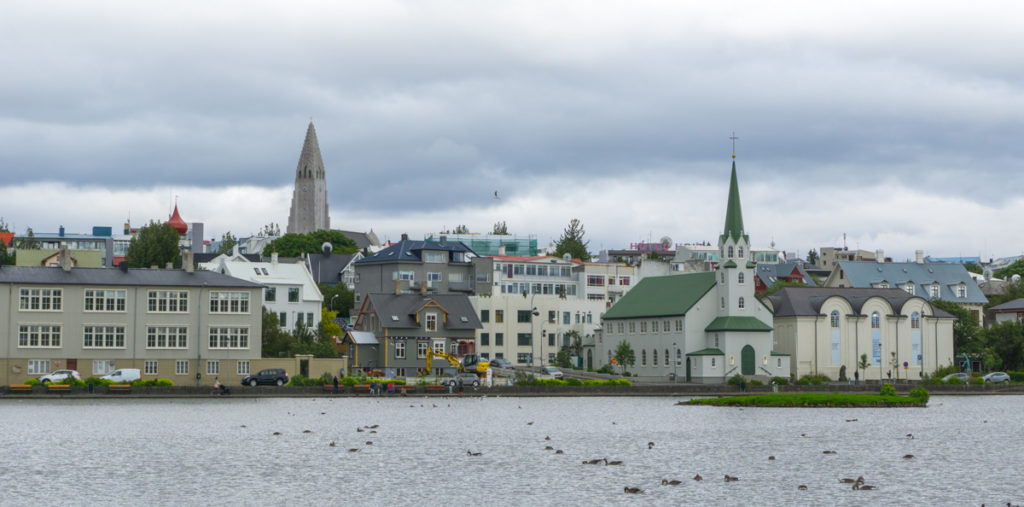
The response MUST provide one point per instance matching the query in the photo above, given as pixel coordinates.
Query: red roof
(176, 222)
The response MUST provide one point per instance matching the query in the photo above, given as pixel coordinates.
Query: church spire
(733, 213)
(309, 199)
(311, 164)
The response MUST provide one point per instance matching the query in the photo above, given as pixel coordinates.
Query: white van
(124, 375)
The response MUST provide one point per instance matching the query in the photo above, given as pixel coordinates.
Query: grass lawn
(811, 400)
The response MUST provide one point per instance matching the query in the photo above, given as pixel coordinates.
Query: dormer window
(934, 290)
(740, 252)
(431, 322)
(909, 288)
(435, 257)
(961, 291)
(730, 252)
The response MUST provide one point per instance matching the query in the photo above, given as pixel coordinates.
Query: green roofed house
(704, 327)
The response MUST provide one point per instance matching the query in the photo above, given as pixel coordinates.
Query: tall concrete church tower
(309, 199)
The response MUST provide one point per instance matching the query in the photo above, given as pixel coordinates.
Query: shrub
(327, 378)
(887, 390)
(625, 374)
(32, 382)
(573, 382)
(780, 381)
(737, 380)
(71, 381)
(919, 393)
(755, 383)
(975, 380)
(351, 381)
(954, 380)
(606, 369)
(163, 382)
(618, 382)
(101, 381)
(815, 380)
(548, 382)
(1016, 376)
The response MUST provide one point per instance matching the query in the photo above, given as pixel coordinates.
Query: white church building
(702, 327)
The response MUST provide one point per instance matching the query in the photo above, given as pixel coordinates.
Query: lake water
(223, 452)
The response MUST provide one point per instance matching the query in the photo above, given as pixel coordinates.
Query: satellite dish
(1015, 278)
(327, 247)
(987, 275)
(666, 242)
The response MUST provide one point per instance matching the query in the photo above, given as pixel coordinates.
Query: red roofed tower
(176, 222)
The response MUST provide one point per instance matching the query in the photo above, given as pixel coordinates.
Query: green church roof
(707, 352)
(737, 324)
(733, 213)
(661, 296)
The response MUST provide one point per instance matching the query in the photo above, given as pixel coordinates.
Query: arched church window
(740, 252)
(723, 302)
(875, 320)
(739, 278)
(643, 357)
(723, 277)
(915, 320)
(730, 252)
(654, 358)
(741, 304)
(835, 318)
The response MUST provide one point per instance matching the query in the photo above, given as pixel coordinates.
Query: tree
(1017, 268)
(29, 242)
(863, 364)
(500, 229)
(1003, 346)
(461, 229)
(779, 284)
(572, 242)
(338, 298)
(275, 340)
(294, 245)
(965, 327)
(271, 229)
(575, 342)
(973, 268)
(278, 343)
(624, 355)
(812, 257)
(227, 243)
(155, 244)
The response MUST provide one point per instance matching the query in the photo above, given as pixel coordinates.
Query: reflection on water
(224, 451)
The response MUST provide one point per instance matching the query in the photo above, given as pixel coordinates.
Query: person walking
(856, 377)
(335, 384)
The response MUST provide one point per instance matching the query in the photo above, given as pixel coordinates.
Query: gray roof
(209, 256)
(42, 275)
(327, 268)
(361, 239)
(807, 301)
(410, 251)
(398, 311)
(363, 338)
(770, 273)
(898, 274)
(1009, 306)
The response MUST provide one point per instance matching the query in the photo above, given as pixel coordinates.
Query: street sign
(614, 361)
(905, 365)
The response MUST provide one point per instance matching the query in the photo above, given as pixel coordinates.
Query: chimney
(405, 237)
(444, 239)
(423, 287)
(501, 250)
(188, 262)
(919, 256)
(63, 257)
(124, 266)
(879, 256)
(273, 258)
(61, 231)
(398, 286)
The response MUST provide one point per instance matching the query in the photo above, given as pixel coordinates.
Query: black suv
(269, 376)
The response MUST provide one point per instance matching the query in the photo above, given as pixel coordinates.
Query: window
(875, 320)
(622, 327)
(523, 358)
(668, 358)
(523, 316)
(961, 291)
(438, 346)
(654, 358)
(934, 290)
(595, 281)
(45, 300)
(909, 288)
(38, 366)
(38, 336)
(623, 280)
(739, 278)
(243, 367)
(739, 252)
(595, 297)
(150, 367)
(499, 316)
(915, 320)
(433, 277)
(721, 277)
(740, 303)
(103, 337)
(834, 320)
(723, 302)
(553, 316)
(523, 339)
(229, 302)
(643, 357)
(485, 339)
(456, 276)
(435, 257)
(212, 367)
(485, 315)
(551, 339)
(166, 337)
(666, 326)
(499, 339)
(679, 325)
(730, 252)
(309, 319)
(430, 322)
(102, 367)
(778, 363)
(229, 338)
(299, 320)
(654, 326)
(293, 294)
(270, 294)
(399, 350)
(632, 327)
(181, 367)
(283, 318)
(421, 350)
(168, 301)
(104, 300)
(643, 326)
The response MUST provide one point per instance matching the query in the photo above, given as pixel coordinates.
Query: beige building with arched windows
(824, 329)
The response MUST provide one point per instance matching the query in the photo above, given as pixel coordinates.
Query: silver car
(996, 377)
(59, 375)
(551, 370)
(468, 379)
(962, 376)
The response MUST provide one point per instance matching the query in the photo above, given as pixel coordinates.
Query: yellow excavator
(471, 362)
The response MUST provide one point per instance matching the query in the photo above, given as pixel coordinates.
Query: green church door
(590, 359)
(747, 360)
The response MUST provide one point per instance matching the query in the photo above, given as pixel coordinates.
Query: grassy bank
(812, 400)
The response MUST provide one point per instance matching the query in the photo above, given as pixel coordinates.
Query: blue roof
(948, 277)
(410, 251)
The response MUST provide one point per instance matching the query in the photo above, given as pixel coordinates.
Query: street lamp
(332, 301)
(533, 363)
(675, 361)
(543, 338)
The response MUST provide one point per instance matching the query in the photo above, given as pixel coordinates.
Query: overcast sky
(898, 125)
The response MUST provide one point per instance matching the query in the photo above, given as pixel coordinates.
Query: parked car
(269, 376)
(502, 363)
(551, 370)
(468, 379)
(124, 375)
(962, 376)
(59, 375)
(996, 377)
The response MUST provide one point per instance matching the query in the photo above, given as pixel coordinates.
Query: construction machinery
(471, 362)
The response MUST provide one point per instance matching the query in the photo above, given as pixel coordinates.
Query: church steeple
(733, 214)
(309, 199)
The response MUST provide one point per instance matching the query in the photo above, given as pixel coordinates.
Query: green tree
(965, 327)
(461, 229)
(973, 268)
(29, 242)
(1004, 346)
(572, 242)
(275, 340)
(624, 355)
(780, 284)
(500, 229)
(562, 358)
(338, 298)
(227, 243)
(294, 245)
(327, 329)
(863, 364)
(812, 257)
(155, 244)
(1017, 268)
(575, 342)
(271, 230)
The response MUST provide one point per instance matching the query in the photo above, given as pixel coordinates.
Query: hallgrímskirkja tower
(309, 199)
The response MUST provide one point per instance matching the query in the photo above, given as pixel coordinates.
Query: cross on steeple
(733, 138)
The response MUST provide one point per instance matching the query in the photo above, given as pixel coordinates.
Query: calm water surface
(968, 451)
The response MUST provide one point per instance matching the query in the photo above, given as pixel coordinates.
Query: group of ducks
(858, 483)
(372, 429)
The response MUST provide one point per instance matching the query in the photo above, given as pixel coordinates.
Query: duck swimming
(673, 482)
